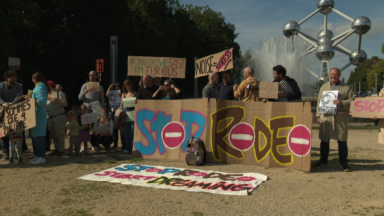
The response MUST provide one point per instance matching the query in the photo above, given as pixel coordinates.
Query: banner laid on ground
(218, 62)
(192, 180)
(156, 66)
(367, 107)
(18, 117)
(274, 134)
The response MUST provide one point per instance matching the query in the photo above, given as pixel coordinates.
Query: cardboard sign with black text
(18, 117)
(269, 90)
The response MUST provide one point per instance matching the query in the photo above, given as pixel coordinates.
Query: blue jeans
(5, 145)
(128, 135)
(39, 145)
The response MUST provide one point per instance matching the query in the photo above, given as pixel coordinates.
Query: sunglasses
(92, 74)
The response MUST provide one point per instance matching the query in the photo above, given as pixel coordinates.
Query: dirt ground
(53, 188)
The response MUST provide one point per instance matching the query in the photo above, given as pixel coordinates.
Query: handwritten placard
(93, 86)
(129, 102)
(269, 90)
(114, 99)
(96, 108)
(367, 107)
(18, 117)
(103, 128)
(218, 62)
(130, 116)
(89, 118)
(156, 66)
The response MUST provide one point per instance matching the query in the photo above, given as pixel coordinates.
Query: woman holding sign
(168, 91)
(127, 102)
(114, 95)
(38, 133)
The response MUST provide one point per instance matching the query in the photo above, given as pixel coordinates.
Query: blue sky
(256, 20)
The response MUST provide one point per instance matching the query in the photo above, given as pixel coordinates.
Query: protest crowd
(55, 120)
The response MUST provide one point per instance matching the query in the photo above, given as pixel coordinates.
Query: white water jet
(278, 51)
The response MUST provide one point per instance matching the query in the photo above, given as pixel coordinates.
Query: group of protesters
(51, 112)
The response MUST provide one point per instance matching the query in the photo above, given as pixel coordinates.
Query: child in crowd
(84, 134)
(73, 129)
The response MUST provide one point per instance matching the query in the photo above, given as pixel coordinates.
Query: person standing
(91, 96)
(210, 91)
(38, 133)
(128, 127)
(249, 87)
(289, 91)
(168, 91)
(73, 128)
(147, 90)
(10, 91)
(56, 118)
(334, 126)
(225, 88)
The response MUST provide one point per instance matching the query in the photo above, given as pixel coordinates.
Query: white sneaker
(39, 161)
(33, 159)
(82, 149)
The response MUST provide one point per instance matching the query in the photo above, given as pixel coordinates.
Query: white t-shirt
(105, 130)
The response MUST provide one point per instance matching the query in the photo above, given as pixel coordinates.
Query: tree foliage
(62, 39)
(365, 73)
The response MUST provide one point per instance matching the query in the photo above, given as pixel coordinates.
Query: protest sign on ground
(218, 62)
(93, 86)
(18, 117)
(156, 66)
(191, 180)
(114, 99)
(267, 134)
(269, 90)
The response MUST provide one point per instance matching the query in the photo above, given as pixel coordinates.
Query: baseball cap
(51, 83)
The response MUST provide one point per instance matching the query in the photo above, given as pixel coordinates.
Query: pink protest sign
(299, 140)
(367, 107)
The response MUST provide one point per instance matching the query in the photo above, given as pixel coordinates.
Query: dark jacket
(296, 90)
(10, 96)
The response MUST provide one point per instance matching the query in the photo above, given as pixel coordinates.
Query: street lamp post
(375, 81)
(359, 86)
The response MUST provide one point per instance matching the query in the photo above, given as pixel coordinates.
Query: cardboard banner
(129, 102)
(96, 108)
(18, 117)
(156, 66)
(93, 86)
(218, 62)
(269, 90)
(89, 118)
(114, 99)
(272, 134)
(367, 107)
(191, 180)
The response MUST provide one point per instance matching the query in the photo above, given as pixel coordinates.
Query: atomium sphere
(357, 58)
(361, 24)
(290, 28)
(321, 34)
(324, 39)
(325, 6)
(325, 51)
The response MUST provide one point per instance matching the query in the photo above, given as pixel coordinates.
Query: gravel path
(53, 188)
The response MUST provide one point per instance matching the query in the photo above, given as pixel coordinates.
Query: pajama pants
(15, 144)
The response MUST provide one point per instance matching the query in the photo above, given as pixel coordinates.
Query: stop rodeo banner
(172, 178)
(274, 134)
(156, 66)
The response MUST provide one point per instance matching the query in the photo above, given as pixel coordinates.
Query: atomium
(327, 43)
